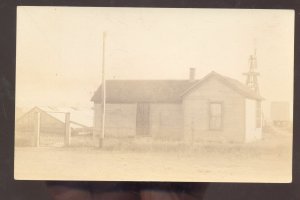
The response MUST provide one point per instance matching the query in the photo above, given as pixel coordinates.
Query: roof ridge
(242, 84)
(163, 90)
(227, 80)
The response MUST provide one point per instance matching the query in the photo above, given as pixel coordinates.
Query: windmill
(252, 74)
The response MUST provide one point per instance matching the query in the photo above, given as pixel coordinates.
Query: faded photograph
(154, 94)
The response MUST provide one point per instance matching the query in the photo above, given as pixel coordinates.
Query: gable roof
(162, 91)
(236, 85)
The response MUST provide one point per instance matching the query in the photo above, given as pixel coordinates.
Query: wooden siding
(120, 120)
(196, 113)
(165, 120)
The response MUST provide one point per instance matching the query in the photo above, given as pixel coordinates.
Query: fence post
(37, 128)
(67, 129)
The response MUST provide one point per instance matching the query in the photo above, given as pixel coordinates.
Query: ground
(268, 160)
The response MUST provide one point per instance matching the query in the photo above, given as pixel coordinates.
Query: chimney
(192, 74)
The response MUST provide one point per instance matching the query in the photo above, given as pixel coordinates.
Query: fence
(38, 128)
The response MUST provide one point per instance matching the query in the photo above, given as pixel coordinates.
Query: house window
(258, 114)
(215, 116)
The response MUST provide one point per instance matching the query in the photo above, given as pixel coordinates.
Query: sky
(59, 49)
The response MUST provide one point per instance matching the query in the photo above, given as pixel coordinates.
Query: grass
(267, 160)
(273, 138)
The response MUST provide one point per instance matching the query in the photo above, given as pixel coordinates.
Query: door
(215, 118)
(142, 119)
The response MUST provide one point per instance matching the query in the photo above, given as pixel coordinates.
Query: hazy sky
(59, 49)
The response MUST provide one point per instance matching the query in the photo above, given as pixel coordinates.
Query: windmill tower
(252, 74)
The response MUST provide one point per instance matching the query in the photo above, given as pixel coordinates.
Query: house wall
(196, 113)
(165, 120)
(252, 133)
(120, 119)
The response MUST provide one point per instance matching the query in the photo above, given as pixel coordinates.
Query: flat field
(268, 160)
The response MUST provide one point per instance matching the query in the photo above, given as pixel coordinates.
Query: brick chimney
(192, 74)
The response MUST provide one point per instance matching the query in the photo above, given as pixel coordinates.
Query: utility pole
(103, 93)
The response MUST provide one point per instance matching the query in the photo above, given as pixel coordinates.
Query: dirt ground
(268, 160)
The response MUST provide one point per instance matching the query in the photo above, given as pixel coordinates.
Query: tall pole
(67, 129)
(103, 93)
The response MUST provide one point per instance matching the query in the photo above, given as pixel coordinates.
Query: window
(258, 114)
(215, 116)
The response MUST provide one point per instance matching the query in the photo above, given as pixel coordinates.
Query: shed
(53, 119)
(52, 124)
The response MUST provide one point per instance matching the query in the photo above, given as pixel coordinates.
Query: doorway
(142, 119)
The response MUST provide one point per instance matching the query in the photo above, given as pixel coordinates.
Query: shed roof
(80, 117)
(162, 91)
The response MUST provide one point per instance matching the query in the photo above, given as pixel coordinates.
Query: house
(214, 108)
